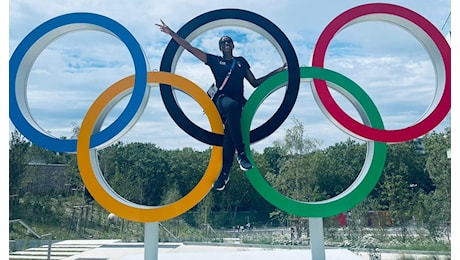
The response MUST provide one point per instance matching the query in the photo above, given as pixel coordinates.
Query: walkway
(116, 250)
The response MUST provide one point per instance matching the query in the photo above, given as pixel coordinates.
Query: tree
(39, 154)
(234, 198)
(204, 209)
(437, 163)
(19, 147)
(402, 177)
(136, 171)
(341, 165)
(404, 159)
(296, 141)
(298, 175)
(273, 156)
(395, 191)
(437, 204)
(298, 168)
(186, 168)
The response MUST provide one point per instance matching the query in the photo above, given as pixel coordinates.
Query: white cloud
(387, 62)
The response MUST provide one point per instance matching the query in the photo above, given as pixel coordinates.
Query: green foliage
(340, 165)
(204, 209)
(414, 190)
(437, 204)
(136, 171)
(296, 141)
(273, 156)
(17, 160)
(298, 171)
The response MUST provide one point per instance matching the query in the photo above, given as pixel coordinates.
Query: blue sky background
(386, 61)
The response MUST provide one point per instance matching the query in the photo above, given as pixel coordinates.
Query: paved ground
(120, 251)
(115, 250)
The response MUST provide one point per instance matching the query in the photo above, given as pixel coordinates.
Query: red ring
(356, 128)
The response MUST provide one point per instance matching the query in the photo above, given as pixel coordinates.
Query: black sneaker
(225, 176)
(243, 162)
(221, 181)
(219, 184)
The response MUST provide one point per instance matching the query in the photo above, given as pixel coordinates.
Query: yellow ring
(90, 170)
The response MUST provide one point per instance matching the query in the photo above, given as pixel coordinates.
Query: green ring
(375, 156)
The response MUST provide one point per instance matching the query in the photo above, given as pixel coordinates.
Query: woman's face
(226, 44)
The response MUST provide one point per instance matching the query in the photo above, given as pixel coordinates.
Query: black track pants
(230, 111)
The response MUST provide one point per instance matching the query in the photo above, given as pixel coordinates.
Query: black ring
(232, 16)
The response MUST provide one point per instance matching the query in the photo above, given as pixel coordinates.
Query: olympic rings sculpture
(91, 137)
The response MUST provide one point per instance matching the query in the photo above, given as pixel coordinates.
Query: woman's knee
(228, 105)
(232, 105)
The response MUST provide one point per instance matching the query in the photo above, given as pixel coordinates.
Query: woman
(230, 100)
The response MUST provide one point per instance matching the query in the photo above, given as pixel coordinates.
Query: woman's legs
(228, 152)
(230, 112)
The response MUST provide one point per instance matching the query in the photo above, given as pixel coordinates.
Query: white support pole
(317, 239)
(151, 241)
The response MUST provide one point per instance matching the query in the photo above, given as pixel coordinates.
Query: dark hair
(225, 39)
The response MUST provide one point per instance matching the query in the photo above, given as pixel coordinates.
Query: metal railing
(31, 230)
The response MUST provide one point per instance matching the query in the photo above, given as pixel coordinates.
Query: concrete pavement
(179, 251)
(116, 250)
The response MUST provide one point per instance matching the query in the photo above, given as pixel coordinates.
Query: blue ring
(19, 55)
(232, 14)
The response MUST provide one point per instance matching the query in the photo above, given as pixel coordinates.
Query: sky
(389, 64)
(73, 70)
